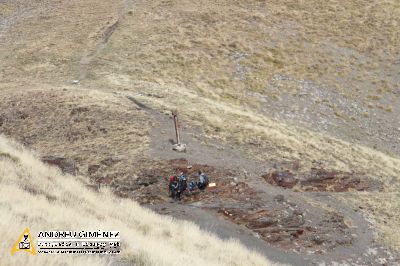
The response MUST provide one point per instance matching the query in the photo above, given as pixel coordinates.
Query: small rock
(93, 168)
(284, 179)
(372, 251)
(110, 161)
(318, 240)
(279, 198)
(75, 82)
(233, 184)
(179, 147)
(381, 261)
(343, 241)
(297, 212)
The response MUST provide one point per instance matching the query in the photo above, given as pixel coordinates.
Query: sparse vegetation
(382, 209)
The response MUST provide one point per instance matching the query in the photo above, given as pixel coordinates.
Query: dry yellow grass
(84, 125)
(61, 202)
(44, 40)
(228, 48)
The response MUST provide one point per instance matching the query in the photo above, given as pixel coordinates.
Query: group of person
(179, 184)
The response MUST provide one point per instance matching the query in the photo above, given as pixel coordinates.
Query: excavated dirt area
(322, 180)
(280, 223)
(287, 228)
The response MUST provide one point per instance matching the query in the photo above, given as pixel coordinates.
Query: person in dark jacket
(203, 180)
(173, 186)
(182, 185)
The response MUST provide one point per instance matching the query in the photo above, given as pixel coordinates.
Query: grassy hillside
(61, 202)
(236, 70)
(205, 60)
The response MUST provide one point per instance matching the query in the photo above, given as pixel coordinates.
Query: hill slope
(60, 202)
(272, 85)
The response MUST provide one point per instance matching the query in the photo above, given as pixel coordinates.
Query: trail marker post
(178, 146)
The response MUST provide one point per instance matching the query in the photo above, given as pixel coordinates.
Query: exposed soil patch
(150, 182)
(288, 227)
(279, 222)
(322, 180)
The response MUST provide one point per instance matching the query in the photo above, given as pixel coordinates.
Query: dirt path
(105, 35)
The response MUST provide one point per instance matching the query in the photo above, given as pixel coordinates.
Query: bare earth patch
(323, 180)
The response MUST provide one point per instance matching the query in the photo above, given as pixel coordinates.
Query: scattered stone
(297, 212)
(279, 198)
(343, 241)
(79, 110)
(284, 179)
(92, 169)
(75, 82)
(179, 147)
(317, 240)
(110, 161)
(297, 233)
(372, 251)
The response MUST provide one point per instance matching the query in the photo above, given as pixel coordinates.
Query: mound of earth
(322, 180)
